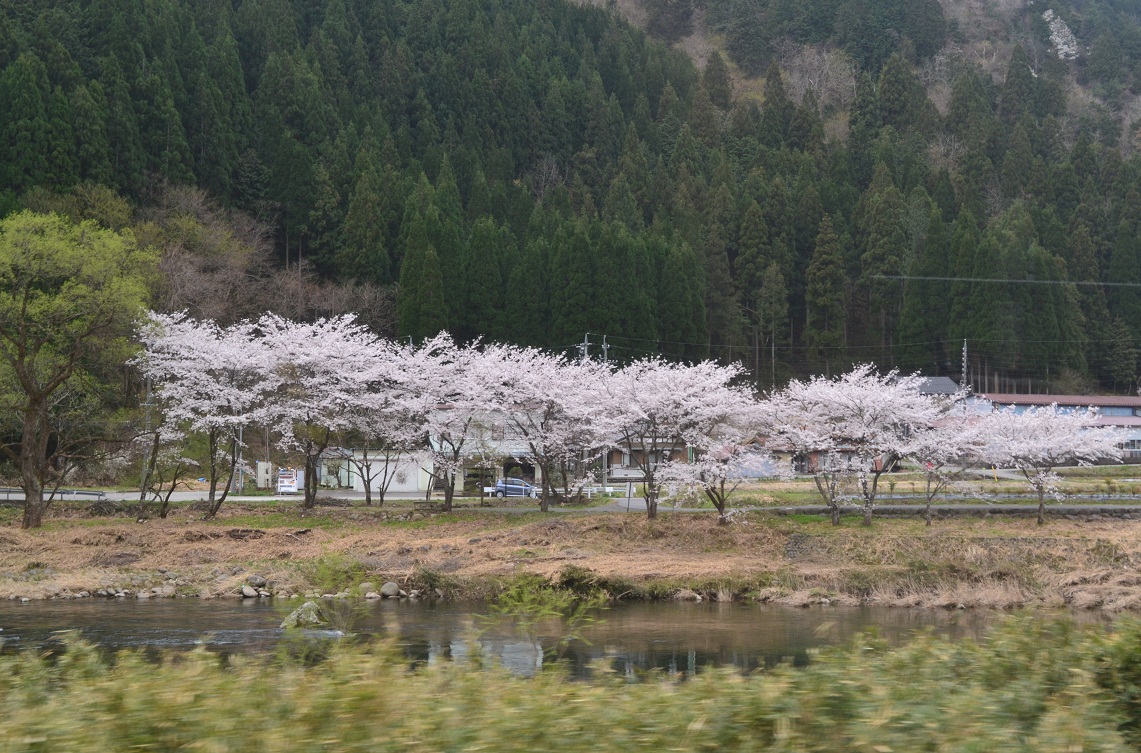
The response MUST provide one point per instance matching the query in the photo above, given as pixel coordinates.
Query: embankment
(994, 562)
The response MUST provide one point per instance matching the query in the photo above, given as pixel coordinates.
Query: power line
(1008, 281)
(839, 348)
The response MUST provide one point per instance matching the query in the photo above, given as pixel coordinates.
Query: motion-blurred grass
(1028, 686)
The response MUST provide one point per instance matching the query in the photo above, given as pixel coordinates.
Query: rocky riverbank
(994, 562)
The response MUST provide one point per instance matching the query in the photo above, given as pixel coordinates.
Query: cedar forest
(530, 171)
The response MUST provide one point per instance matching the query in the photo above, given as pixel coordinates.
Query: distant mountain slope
(544, 173)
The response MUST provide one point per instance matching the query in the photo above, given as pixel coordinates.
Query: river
(629, 638)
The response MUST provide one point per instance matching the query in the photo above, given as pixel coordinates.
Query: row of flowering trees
(855, 427)
(333, 381)
(688, 428)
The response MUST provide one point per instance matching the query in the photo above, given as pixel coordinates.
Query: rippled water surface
(673, 637)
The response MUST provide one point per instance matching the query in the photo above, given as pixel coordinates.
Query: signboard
(287, 481)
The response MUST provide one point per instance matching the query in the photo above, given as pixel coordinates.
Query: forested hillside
(532, 171)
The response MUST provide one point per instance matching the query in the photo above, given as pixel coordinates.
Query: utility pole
(586, 346)
(144, 470)
(605, 350)
(241, 474)
(963, 377)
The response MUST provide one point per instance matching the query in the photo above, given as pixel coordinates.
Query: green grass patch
(283, 519)
(334, 573)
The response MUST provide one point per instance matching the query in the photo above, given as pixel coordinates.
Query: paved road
(637, 504)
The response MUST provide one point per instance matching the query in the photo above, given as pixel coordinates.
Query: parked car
(515, 487)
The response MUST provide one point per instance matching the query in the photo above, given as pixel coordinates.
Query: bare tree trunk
(545, 495)
(164, 508)
(216, 506)
(828, 497)
(144, 482)
(33, 456)
(1041, 506)
(310, 500)
(390, 462)
(366, 475)
(34, 506)
(719, 499)
(928, 512)
(449, 490)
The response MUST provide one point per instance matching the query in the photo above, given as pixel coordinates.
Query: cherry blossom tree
(449, 388)
(798, 426)
(553, 407)
(387, 426)
(167, 466)
(855, 427)
(210, 380)
(324, 372)
(945, 451)
(1038, 440)
(659, 409)
(717, 472)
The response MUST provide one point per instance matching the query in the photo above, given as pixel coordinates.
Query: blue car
(515, 487)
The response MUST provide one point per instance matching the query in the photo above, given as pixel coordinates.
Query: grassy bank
(1029, 686)
(970, 562)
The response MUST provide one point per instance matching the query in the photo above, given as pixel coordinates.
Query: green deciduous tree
(69, 295)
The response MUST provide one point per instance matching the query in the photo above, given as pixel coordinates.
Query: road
(637, 504)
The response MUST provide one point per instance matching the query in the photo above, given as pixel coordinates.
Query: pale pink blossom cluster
(694, 429)
(439, 403)
(850, 430)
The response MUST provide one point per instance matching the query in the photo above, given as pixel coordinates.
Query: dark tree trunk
(33, 461)
(34, 506)
(367, 477)
(310, 482)
(545, 495)
(148, 472)
(449, 491)
(214, 502)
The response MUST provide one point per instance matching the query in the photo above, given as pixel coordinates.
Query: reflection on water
(630, 638)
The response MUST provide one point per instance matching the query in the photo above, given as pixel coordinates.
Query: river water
(630, 637)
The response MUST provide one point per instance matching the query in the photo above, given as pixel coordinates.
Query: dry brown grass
(971, 562)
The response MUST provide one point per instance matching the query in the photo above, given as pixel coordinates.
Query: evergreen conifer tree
(777, 112)
(365, 251)
(716, 79)
(1122, 356)
(926, 304)
(826, 299)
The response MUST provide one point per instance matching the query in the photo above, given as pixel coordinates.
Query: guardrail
(95, 493)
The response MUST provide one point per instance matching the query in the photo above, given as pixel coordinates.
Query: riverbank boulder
(308, 615)
(390, 590)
